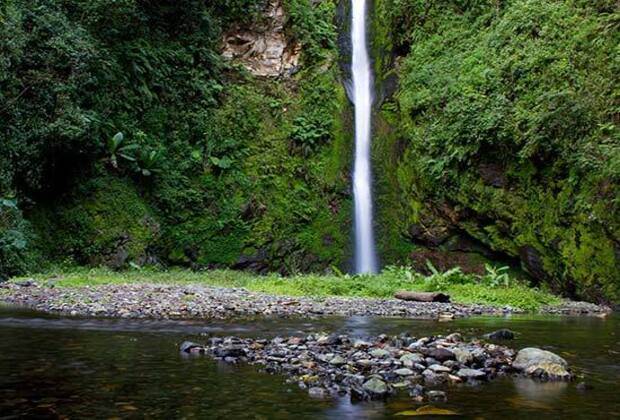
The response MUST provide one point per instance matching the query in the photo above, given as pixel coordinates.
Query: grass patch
(493, 288)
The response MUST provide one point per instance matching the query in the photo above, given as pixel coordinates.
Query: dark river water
(53, 367)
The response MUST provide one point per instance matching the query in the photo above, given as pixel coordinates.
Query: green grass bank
(493, 288)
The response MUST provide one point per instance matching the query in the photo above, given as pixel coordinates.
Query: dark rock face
(492, 174)
(532, 262)
(257, 262)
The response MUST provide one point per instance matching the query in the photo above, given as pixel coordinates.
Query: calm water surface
(53, 367)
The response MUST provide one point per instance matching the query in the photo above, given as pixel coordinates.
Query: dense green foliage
(15, 235)
(127, 138)
(492, 288)
(505, 129)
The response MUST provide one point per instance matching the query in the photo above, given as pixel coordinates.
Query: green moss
(105, 221)
(504, 126)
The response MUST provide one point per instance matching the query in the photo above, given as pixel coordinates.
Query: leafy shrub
(16, 253)
(309, 135)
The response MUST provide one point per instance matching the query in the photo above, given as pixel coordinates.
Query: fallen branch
(422, 296)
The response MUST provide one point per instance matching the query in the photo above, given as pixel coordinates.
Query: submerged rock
(191, 347)
(437, 396)
(317, 392)
(503, 334)
(542, 364)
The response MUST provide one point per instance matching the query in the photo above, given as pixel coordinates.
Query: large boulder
(541, 363)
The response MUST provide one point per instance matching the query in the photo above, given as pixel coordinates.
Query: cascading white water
(365, 255)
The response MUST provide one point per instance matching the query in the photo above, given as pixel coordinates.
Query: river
(59, 367)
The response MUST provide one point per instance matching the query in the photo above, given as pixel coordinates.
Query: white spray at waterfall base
(365, 254)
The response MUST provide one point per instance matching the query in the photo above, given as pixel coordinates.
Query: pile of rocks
(338, 365)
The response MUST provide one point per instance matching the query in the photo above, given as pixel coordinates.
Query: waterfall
(365, 255)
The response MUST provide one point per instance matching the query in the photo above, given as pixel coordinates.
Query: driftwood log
(422, 296)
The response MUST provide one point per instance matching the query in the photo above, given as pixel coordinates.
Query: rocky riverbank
(339, 365)
(177, 301)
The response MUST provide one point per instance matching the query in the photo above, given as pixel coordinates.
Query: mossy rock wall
(503, 131)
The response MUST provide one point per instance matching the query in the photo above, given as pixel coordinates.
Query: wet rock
(376, 387)
(462, 356)
(231, 351)
(542, 364)
(503, 334)
(404, 372)
(439, 369)
(317, 392)
(582, 387)
(411, 359)
(437, 396)
(379, 353)
(417, 391)
(337, 361)
(264, 48)
(190, 347)
(471, 374)
(441, 354)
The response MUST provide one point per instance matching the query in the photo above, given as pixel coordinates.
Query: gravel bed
(176, 301)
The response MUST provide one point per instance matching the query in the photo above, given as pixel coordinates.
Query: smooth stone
(441, 354)
(471, 374)
(379, 353)
(532, 355)
(439, 369)
(376, 386)
(410, 359)
(365, 362)
(337, 361)
(462, 356)
(404, 372)
(541, 363)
